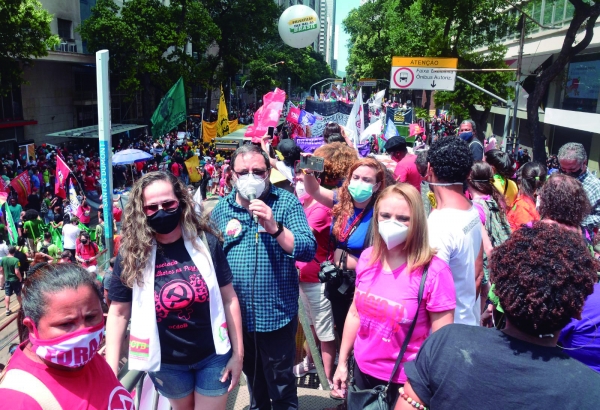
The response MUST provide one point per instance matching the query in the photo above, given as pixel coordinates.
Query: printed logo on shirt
(380, 314)
(140, 348)
(475, 222)
(178, 296)
(120, 399)
(234, 228)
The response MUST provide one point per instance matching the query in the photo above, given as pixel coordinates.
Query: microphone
(251, 194)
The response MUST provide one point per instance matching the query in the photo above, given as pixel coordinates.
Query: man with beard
(262, 258)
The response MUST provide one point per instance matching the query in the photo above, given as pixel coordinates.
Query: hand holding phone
(313, 163)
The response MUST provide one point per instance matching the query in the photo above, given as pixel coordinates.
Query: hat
(287, 147)
(395, 144)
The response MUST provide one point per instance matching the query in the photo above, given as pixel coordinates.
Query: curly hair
(563, 199)
(532, 176)
(501, 161)
(542, 276)
(138, 237)
(481, 179)
(450, 159)
(345, 206)
(339, 157)
(30, 215)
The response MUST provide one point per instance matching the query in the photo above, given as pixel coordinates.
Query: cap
(395, 144)
(287, 147)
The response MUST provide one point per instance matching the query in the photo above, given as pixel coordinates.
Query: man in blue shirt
(262, 258)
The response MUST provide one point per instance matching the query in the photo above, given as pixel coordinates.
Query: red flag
(62, 174)
(22, 187)
(293, 115)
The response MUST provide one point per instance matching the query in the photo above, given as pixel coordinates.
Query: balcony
(66, 47)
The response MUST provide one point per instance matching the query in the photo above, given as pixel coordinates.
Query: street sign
(423, 73)
(367, 82)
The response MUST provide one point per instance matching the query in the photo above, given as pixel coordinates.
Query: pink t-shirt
(94, 387)
(386, 303)
(84, 214)
(319, 219)
(406, 171)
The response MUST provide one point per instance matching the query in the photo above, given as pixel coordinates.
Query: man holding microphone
(265, 232)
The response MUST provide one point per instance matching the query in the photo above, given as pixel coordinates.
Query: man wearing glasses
(573, 159)
(262, 258)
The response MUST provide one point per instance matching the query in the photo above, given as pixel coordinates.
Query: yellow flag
(222, 117)
(191, 164)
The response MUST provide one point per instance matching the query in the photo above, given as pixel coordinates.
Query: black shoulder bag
(376, 398)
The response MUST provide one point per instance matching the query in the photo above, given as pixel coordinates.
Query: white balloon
(299, 26)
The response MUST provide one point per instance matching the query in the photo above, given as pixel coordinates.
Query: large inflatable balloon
(299, 26)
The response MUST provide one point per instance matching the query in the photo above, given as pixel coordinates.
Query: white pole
(105, 141)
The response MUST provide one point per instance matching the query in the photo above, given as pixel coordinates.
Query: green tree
(302, 66)
(149, 42)
(24, 35)
(585, 15)
(438, 28)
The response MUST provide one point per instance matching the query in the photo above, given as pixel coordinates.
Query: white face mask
(392, 232)
(250, 181)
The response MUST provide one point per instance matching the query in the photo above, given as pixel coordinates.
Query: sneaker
(8, 313)
(304, 367)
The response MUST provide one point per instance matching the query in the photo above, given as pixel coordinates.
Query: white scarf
(144, 342)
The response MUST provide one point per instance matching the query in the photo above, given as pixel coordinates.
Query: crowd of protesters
(416, 270)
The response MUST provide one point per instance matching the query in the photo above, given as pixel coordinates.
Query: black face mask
(164, 222)
(575, 174)
(83, 241)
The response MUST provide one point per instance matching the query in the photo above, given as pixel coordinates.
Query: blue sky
(343, 7)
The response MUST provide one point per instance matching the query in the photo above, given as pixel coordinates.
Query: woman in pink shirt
(388, 277)
(57, 367)
(84, 212)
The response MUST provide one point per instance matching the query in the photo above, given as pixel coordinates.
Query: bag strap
(410, 330)
(26, 383)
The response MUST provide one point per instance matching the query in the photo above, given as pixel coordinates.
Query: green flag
(13, 234)
(171, 111)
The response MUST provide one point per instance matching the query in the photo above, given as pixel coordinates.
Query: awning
(92, 131)
(583, 121)
(530, 63)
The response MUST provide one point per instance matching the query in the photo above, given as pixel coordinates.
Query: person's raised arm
(322, 195)
(265, 148)
(119, 314)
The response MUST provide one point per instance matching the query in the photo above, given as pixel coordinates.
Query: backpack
(497, 227)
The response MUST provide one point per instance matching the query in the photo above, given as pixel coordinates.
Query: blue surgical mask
(360, 191)
(466, 136)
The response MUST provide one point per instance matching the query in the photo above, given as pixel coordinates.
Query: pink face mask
(69, 350)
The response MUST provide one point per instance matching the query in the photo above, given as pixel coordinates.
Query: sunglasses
(167, 206)
(261, 173)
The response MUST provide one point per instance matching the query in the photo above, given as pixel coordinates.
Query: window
(64, 29)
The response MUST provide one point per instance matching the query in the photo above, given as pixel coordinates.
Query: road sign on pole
(423, 73)
(367, 82)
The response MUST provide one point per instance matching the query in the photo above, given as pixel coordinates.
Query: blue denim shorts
(176, 381)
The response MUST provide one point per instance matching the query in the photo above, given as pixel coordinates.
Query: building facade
(570, 110)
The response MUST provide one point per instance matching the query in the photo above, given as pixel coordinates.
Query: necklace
(346, 231)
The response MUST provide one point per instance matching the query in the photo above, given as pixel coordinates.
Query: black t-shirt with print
(181, 299)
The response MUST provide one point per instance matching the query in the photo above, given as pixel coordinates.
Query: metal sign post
(105, 141)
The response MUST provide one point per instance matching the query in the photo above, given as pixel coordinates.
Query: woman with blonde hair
(391, 277)
(172, 279)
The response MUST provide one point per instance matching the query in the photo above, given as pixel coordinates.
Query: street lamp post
(319, 82)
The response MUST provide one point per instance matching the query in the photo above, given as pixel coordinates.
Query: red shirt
(117, 213)
(92, 387)
(319, 220)
(84, 214)
(406, 171)
(176, 169)
(89, 183)
(87, 251)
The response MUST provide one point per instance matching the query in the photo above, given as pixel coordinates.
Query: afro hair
(450, 159)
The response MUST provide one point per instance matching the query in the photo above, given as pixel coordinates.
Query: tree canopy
(382, 29)
(24, 34)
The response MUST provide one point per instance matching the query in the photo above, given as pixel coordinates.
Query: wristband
(279, 230)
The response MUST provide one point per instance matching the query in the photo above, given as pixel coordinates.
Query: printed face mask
(392, 232)
(164, 222)
(70, 350)
(250, 180)
(359, 190)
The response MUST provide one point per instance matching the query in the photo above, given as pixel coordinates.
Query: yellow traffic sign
(427, 62)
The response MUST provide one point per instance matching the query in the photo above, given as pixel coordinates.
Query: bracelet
(410, 401)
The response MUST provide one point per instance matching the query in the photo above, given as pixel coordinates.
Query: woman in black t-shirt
(170, 257)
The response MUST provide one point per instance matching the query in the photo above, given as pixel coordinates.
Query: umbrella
(130, 156)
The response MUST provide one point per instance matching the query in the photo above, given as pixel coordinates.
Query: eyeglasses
(261, 173)
(167, 206)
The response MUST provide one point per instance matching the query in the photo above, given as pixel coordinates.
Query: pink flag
(415, 129)
(267, 115)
